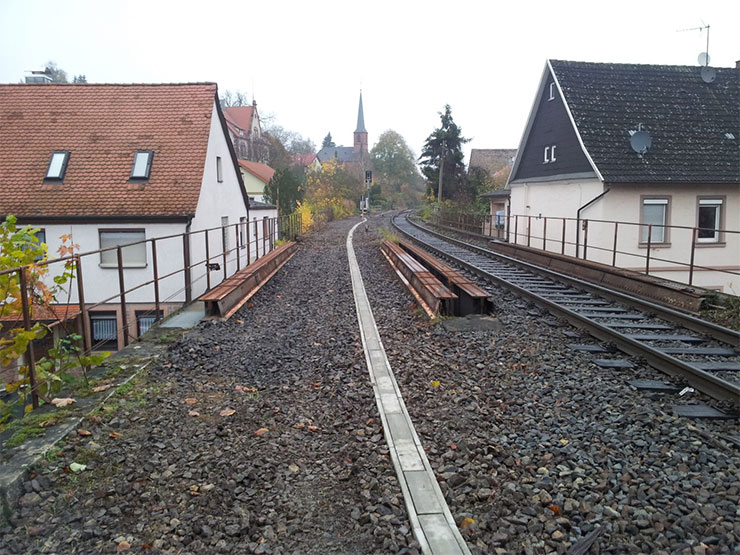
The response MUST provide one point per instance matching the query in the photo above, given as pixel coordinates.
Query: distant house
(354, 158)
(308, 161)
(245, 131)
(256, 176)
(656, 146)
(116, 164)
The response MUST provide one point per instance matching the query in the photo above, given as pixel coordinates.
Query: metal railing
(581, 237)
(249, 244)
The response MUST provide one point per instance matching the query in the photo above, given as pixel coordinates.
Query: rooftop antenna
(708, 74)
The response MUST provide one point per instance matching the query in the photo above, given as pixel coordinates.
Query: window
(710, 218)
(219, 170)
(57, 165)
(142, 164)
(225, 232)
(133, 256)
(655, 213)
(243, 231)
(549, 154)
(552, 92)
(40, 238)
(104, 331)
(145, 320)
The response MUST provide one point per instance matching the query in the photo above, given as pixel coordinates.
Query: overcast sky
(305, 61)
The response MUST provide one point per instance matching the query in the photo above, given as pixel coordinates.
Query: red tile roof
(303, 159)
(102, 126)
(240, 116)
(263, 172)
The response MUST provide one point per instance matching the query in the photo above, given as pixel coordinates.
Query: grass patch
(32, 425)
(388, 235)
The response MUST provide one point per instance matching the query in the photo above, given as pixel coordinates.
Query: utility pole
(441, 171)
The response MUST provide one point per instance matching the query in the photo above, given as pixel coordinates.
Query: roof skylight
(57, 165)
(142, 164)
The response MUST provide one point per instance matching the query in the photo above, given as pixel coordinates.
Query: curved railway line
(702, 354)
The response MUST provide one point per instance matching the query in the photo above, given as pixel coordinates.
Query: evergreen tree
(447, 141)
(327, 141)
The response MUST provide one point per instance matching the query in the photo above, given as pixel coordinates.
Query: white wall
(216, 201)
(623, 203)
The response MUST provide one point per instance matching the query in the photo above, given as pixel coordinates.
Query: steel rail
(702, 380)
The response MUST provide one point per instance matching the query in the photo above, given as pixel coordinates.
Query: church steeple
(360, 132)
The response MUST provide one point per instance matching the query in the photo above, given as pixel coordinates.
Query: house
(117, 164)
(656, 148)
(245, 131)
(256, 176)
(310, 162)
(355, 158)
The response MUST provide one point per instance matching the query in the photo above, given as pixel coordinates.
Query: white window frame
(552, 92)
(109, 343)
(550, 154)
(219, 170)
(547, 155)
(147, 165)
(243, 232)
(717, 203)
(134, 256)
(661, 228)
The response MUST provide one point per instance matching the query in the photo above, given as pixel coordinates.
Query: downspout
(578, 220)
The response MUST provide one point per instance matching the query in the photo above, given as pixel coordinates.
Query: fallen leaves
(466, 523)
(436, 383)
(81, 432)
(191, 400)
(100, 388)
(62, 401)
(293, 468)
(261, 431)
(77, 467)
(227, 412)
(123, 546)
(555, 509)
(245, 389)
(114, 435)
(193, 413)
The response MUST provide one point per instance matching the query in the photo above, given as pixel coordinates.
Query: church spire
(360, 118)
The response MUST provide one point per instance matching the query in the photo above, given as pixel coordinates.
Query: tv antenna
(704, 56)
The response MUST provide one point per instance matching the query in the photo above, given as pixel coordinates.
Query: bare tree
(234, 98)
(57, 74)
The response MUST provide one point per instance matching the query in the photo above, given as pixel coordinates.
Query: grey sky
(306, 61)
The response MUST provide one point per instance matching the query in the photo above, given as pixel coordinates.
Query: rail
(252, 240)
(628, 242)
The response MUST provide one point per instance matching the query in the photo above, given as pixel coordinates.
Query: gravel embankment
(300, 466)
(540, 447)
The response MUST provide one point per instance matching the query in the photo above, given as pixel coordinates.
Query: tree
(57, 74)
(293, 142)
(445, 142)
(327, 141)
(80, 79)
(286, 188)
(393, 162)
(235, 98)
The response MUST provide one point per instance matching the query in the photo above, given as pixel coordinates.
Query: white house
(644, 145)
(115, 164)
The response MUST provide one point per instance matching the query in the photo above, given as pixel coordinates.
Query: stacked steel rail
(635, 326)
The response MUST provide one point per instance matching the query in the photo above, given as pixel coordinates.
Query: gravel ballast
(535, 447)
(539, 447)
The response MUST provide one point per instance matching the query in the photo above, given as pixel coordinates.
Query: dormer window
(549, 154)
(552, 92)
(57, 165)
(142, 164)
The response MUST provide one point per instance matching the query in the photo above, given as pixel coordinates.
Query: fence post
(585, 239)
(516, 229)
(155, 270)
(186, 268)
(614, 251)
(265, 240)
(27, 326)
(122, 287)
(529, 229)
(694, 236)
(562, 241)
(544, 235)
(237, 250)
(224, 238)
(208, 263)
(256, 241)
(649, 241)
(86, 342)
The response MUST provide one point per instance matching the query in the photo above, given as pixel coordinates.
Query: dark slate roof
(690, 122)
(341, 153)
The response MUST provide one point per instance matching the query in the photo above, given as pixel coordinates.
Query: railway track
(702, 354)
